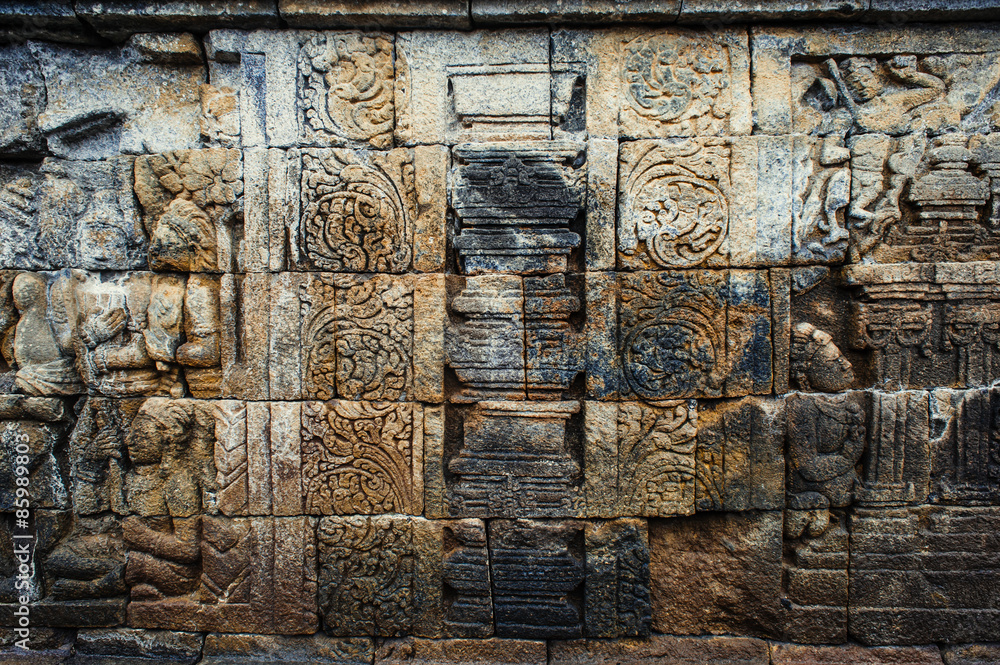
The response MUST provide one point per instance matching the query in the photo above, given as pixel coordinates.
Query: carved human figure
(42, 367)
(817, 364)
(164, 490)
(89, 562)
(111, 354)
(879, 114)
(826, 439)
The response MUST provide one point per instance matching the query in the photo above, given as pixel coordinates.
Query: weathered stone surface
(649, 84)
(461, 652)
(347, 344)
(387, 15)
(640, 460)
(349, 336)
(223, 648)
(793, 654)
(695, 334)
(970, 654)
(739, 461)
(717, 573)
(963, 434)
(71, 214)
(362, 458)
(661, 649)
(912, 550)
(118, 19)
(77, 120)
(482, 85)
(515, 459)
(815, 577)
(103, 647)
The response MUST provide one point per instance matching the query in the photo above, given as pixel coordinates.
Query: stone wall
(599, 333)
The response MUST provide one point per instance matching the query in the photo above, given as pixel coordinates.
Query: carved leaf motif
(318, 337)
(673, 344)
(366, 575)
(374, 333)
(357, 458)
(656, 457)
(675, 79)
(674, 202)
(345, 82)
(358, 210)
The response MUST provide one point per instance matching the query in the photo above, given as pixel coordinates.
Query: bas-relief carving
(359, 210)
(116, 335)
(899, 127)
(70, 214)
(540, 529)
(346, 89)
(193, 209)
(362, 458)
(674, 204)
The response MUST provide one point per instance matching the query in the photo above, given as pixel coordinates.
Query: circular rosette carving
(671, 78)
(677, 355)
(683, 219)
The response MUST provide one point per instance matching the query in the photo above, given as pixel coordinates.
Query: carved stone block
(897, 463)
(74, 571)
(538, 578)
(515, 202)
(965, 469)
(345, 89)
(512, 459)
(890, 90)
(640, 460)
(70, 214)
(739, 462)
(351, 336)
(192, 203)
(380, 576)
(31, 430)
(227, 574)
(650, 84)
(23, 88)
(678, 207)
(362, 458)
(912, 550)
(483, 85)
(717, 573)
(77, 120)
(926, 324)
(307, 88)
(358, 210)
(616, 598)
(815, 578)
(687, 334)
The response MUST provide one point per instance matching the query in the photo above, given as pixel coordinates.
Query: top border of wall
(92, 21)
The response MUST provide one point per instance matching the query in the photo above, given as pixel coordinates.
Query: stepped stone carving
(515, 202)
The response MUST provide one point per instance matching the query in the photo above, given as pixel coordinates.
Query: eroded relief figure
(890, 105)
(826, 439)
(42, 367)
(165, 490)
(816, 362)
